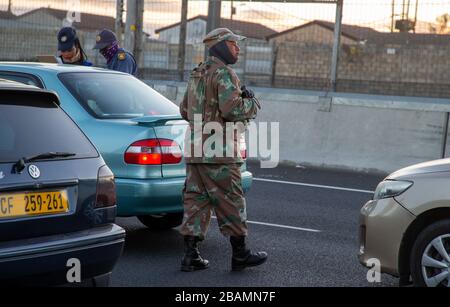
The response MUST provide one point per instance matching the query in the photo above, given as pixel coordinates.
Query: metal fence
(391, 47)
(29, 28)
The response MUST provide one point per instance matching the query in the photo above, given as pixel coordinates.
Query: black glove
(246, 93)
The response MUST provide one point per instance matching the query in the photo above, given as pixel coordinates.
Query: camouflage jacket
(211, 103)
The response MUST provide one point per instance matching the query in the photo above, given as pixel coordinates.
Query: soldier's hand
(246, 93)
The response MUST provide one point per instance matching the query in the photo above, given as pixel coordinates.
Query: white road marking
(314, 185)
(280, 226)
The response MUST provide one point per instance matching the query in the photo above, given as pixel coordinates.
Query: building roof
(248, 29)
(88, 22)
(370, 35)
(353, 32)
(7, 15)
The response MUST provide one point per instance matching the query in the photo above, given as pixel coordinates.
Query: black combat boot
(242, 256)
(192, 260)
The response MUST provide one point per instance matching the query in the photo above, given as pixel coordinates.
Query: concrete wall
(407, 70)
(41, 19)
(16, 45)
(357, 132)
(195, 31)
(20, 45)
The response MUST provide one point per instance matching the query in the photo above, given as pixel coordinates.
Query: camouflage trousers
(218, 188)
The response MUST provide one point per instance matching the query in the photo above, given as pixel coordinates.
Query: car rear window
(107, 95)
(31, 124)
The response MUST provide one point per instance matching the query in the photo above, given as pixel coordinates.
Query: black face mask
(221, 51)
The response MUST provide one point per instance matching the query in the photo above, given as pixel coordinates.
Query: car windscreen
(114, 96)
(31, 124)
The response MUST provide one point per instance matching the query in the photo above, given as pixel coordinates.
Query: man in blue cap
(69, 48)
(116, 57)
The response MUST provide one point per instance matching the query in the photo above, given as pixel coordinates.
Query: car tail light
(106, 188)
(171, 152)
(243, 147)
(153, 152)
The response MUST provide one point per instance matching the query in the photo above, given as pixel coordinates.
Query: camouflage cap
(221, 34)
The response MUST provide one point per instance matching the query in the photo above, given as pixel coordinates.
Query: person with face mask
(69, 48)
(116, 57)
(213, 178)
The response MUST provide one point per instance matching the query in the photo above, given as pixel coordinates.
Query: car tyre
(163, 221)
(430, 256)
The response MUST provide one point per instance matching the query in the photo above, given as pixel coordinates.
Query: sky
(276, 15)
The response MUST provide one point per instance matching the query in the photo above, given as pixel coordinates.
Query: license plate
(30, 204)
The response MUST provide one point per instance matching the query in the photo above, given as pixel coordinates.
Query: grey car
(57, 196)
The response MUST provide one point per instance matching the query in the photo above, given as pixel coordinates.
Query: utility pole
(134, 28)
(407, 9)
(213, 21)
(130, 26)
(232, 10)
(119, 20)
(182, 40)
(403, 9)
(214, 10)
(393, 16)
(139, 40)
(336, 44)
(415, 15)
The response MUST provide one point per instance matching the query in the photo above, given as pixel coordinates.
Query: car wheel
(430, 257)
(162, 221)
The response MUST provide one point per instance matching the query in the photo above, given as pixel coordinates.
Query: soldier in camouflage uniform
(213, 180)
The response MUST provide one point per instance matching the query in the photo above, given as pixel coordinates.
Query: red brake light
(171, 152)
(153, 152)
(106, 188)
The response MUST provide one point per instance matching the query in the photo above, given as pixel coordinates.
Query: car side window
(22, 78)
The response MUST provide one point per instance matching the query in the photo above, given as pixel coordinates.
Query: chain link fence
(396, 48)
(28, 28)
(390, 47)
